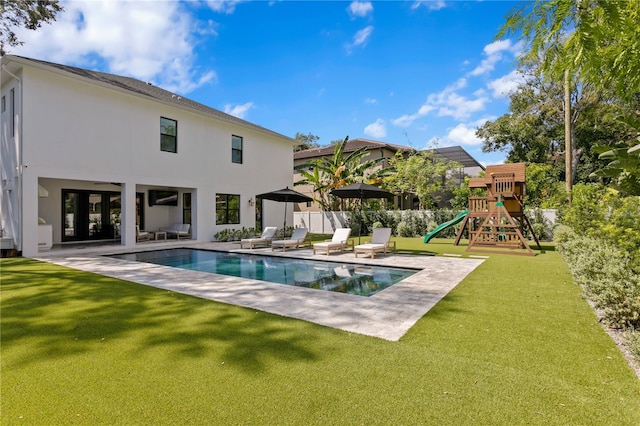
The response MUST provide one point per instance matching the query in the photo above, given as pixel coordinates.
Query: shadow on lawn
(59, 312)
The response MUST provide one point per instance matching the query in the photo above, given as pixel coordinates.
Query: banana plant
(623, 168)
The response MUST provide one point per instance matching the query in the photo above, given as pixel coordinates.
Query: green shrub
(587, 212)
(231, 234)
(539, 224)
(601, 213)
(404, 229)
(632, 341)
(604, 273)
(377, 225)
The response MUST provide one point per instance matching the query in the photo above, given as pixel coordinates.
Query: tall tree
(533, 130)
(595, 40)
(307, 141)
(600, 39)
(421, 173)
(29, 14)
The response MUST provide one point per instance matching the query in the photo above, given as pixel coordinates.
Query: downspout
(20, 165)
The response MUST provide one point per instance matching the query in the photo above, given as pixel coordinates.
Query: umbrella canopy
(285, 195)
(361, 191)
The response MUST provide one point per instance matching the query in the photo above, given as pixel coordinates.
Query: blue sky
(412, 73)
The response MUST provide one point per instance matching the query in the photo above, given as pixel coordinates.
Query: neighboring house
(87, 156)
(470, 167)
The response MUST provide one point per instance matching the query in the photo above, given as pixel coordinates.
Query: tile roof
(452, 153)
(148, 90)
(352, 145)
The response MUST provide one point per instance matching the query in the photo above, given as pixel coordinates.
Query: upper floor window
(227, 209)
(236, 149)
(168, 135)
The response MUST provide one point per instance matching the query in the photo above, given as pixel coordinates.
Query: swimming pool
(361, 280)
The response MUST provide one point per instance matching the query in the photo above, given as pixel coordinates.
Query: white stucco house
(86, 156)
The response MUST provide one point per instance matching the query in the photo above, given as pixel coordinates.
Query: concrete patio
(388, 314)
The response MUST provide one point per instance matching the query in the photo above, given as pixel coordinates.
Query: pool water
(361, 280)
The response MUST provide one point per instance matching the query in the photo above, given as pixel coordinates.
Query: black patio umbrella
(361, 191)
(285, 196)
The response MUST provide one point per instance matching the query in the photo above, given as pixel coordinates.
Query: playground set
(497, 220)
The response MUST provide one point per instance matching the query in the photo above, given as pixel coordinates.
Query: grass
(514, 343)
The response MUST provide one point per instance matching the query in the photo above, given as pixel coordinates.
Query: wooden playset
(497, 220)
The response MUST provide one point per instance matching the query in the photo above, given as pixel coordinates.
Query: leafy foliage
(533, 130)
(623, 168)
(421, 173)
(307, 141)
(599, 39)
(544, 187)
(340, 169)
(29, 14)
(605, 274)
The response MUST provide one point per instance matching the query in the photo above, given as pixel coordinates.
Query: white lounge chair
(177, 230)
(142, 235)
(339, 242)
(380, 242)
(263, 240)
(297, 238)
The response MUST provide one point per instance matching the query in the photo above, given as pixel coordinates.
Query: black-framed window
(168, 135)
(227, 209)
(4, 104)
(236, 149)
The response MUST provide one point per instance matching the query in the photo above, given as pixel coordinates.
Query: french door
(94, 215)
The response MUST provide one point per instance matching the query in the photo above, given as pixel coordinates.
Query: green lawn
(514, 343)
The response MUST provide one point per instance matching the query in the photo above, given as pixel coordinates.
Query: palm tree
(328, 173)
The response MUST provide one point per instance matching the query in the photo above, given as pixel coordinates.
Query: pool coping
(388, 314)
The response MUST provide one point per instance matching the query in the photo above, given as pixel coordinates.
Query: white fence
(328, 222)
(320, 222)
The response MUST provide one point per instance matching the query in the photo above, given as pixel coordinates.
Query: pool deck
(388, 314)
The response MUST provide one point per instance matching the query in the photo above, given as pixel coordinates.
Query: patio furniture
(296, 240)
(158, 234)
(263, 240)
(380, 242)
(178, 230)
(142, 235)
(339, 242)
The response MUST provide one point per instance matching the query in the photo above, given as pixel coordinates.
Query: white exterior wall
(78, 135)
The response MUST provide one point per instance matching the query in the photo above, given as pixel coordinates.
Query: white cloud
(224, 6)
(150, 41)
(429, 4)
(494, 54)
(361, 37)
(360, 8)
(463, 134)
(502, 87)
(370, 101)
(376, 129)
(447, 103)
(460, 107)
(239, 111)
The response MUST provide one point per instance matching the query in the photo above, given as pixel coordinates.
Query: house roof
(459, 155)
(352, 145)
(451, 153)
(142, 89)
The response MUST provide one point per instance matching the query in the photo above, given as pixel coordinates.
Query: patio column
(128, 214)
